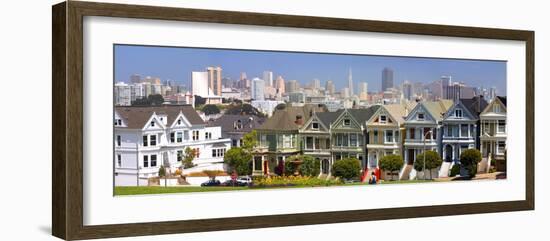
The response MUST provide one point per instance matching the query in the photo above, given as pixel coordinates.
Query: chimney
(299, 120)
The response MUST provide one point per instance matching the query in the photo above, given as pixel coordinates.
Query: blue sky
(176, 64)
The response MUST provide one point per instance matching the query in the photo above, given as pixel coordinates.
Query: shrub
(238, 160)
(310, 166)
(391, 163)
(177, 172)
(469, 160)
(348, 168)
(433, 160)
(162, 171)
(290, 166)
(455, 170)
(210, 109)
(281, 181)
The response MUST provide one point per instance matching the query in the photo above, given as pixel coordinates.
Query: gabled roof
(502, 99)
(227, 123)
(363, 115)
(136, 117)
(397, 111)
(284, 119)
(437, 108)
(475, 105)
(328, 118)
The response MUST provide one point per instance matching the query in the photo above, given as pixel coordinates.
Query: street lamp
(424, 169)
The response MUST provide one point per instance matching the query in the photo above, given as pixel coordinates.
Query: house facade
(493, 132)
(278, 137)
(384, 133)
(146, 138)
(422, 132)
(234, 127)
(315, 135)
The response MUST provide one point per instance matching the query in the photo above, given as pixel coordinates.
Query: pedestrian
(372, 179)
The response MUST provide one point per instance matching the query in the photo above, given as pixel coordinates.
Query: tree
(188, 157)
(151, 100)
(469, 160)
(391, 163)
(210, 109)
(199, 100)
(433, 160)
(250, 140)
(347, 168)
(310, 166)
(238, 160)
(290, 166)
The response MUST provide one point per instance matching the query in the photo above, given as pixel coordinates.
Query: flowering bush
(275, 181)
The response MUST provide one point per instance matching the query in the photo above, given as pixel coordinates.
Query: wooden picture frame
(67, 123)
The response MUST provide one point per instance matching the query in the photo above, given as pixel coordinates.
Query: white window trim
(385, 121)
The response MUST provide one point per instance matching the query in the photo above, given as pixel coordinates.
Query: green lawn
(160, 190)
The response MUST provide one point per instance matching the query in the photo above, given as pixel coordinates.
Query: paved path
(480, 176)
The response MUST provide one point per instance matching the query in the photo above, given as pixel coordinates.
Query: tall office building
(199, 84)
(257, 89)
(363, 89)
(407, 89)
(292, 86)
(135, 78)
(268, 78)
(344, 93)
(280, 85)
(387, 79)
(350, 83)
(215, 79)
(329, 86)
(446, 80)
(316, 84)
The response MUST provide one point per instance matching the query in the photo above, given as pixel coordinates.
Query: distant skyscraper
(280, 86)
(268, 78)
(316, 84)
(387, 79)
(329, 86)
(345, 92)
(292, 86)
(363, 89)
(215, 79)
(257, 89)
(199, 84)
(407, 90)
(446, 80)
(135, 78)
(350, 83)
(436, 89)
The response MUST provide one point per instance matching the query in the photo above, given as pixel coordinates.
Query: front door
(324, 166)
(410, 157)
(448, 153)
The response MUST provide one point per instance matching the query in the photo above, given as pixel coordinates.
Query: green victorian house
(278, 136)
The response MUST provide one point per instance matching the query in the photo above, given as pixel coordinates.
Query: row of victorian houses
(146, 138)
(445, 126)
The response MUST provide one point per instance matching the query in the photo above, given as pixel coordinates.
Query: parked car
(210, 183)
(245, 179)
(233, 183)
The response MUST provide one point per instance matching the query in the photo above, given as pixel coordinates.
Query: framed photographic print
(171, 120)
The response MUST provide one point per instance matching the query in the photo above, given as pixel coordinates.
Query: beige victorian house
(493, 133)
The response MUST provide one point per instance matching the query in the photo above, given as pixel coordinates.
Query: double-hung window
(118, 140)
(153, 160)
(389, 136)
(195, 135)
(119, 160)
(179, 137)
(353, 140)
(172, 137)
(153, 140)
(145, 141)
(145, 161)
(383, 119)
(501, 126)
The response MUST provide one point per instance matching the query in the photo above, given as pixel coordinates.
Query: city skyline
(177, 63)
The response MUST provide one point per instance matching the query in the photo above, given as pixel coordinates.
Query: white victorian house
(147, 137)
